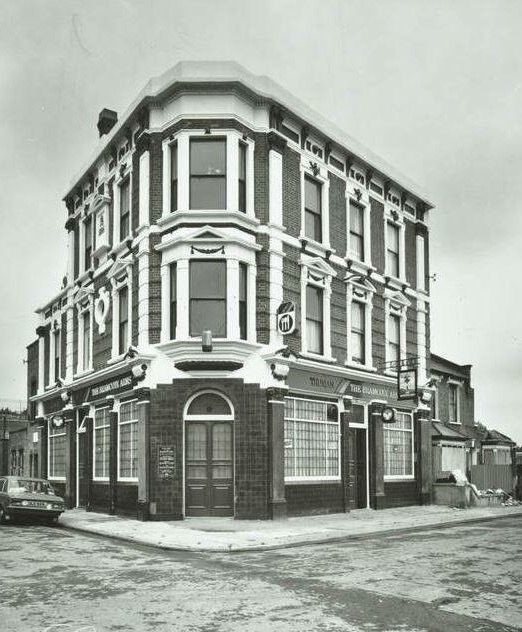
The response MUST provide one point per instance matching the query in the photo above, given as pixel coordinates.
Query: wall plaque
(166, 462)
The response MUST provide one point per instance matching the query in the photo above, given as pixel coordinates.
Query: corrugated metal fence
(493, 477)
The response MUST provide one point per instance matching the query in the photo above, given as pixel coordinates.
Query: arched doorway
(209, 455)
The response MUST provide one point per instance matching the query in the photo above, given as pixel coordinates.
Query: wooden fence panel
(493, 477)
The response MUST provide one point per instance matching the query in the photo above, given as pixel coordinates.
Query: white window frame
(121, 278)
(395, 303)
(420, 245)
(233, 138)
(55, 331)
(321, 176)
(400, 224)
(393, 427)
(458, 387)
(189, 246)
(127, 479)
(83, 306)
(94, 428)
(118, 181)
(360, 291)
(311, 479)
(366, 229)
(315, 272)
(59, 432)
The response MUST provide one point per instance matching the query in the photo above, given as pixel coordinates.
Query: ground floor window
(56, 454)
(398, 447)
(128, 441)
(312, 440)
(101, 444)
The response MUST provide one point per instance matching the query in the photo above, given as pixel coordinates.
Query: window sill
(116, 359)
(100, 480)
(57, 479)
(362, 367)
(320, 249)
(129, 481)
(318, 356)
(313, 481)
(355, 265)
(398, 479)
(83, 373)
(396, 282)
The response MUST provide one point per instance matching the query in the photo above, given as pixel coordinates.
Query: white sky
(433, 87)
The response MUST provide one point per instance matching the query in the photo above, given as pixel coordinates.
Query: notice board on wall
(166, 462)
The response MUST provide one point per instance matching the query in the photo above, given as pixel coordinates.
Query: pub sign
(406, 384)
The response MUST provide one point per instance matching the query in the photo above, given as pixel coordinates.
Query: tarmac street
(466, 577)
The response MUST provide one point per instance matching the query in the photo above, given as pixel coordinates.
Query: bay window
(242, 194)
(314, 319)
(208, 174)
(243, 301)
(392, 249)
(312, 439)
(398, 446)
(358, 333)
(313, 210)
(174, 177)
(128, 441)
(173, 300)
(207, 297)
(124, 209)
(56, 451)
(123, 319)
(101, 443)
(356, 231)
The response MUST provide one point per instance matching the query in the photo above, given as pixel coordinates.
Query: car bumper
(16, 511)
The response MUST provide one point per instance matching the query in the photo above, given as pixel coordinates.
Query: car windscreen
(28, 486)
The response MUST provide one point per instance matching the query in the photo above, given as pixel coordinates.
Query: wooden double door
(209, 468)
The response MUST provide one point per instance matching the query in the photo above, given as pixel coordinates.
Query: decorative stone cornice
(41, 331)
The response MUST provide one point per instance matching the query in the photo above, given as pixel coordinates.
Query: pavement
(226, 535)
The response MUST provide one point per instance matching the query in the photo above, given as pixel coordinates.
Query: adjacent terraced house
(242, 279)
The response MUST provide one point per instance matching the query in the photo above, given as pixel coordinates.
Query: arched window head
(209, 404)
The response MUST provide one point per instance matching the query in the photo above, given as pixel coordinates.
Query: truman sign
(333, 385)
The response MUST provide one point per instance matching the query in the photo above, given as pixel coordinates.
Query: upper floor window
(393, 339)
(356, 231)
(358, 333)
(243, 301)
(314, 319)
(123, 324)
(57, 341)
(208, 173)
(174, 177)
(173, 300)
(392, 249)
(242, 193)
(313, 211)
(208, 303)
(421, 265)
(88, 228)
(86, 339)
(124, 209)
(453, 398)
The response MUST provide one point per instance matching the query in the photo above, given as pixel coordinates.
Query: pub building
(243, 281)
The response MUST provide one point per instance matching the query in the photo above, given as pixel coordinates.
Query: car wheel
(52, 522)
(3, 515)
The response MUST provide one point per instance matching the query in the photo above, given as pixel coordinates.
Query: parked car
(25, 497)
